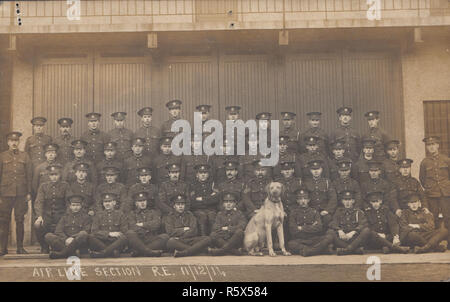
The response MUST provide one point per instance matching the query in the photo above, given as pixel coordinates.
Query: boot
(56, 255)
(19, 236)
(95, 254)
(216, 252)
(318, 248)
(153, 253)
(114, 248)
(175, 244)
(3, 242)
(421, 250)
(400, 249)
(386, 250)
(197, 247)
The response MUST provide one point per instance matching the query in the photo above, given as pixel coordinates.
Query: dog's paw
(272, 253)
(286, 253)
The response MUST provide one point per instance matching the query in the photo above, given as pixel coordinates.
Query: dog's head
(275, 190)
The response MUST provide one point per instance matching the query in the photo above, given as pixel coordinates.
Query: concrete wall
(426, 77)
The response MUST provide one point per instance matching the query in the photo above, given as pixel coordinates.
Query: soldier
(383, 225)
(147, 131)
(164, 159)
(95, 138)
(434, 176)
(112, 186)
(255, 189)
(108, 230)
(121, 135)
(322, 192)
(337, 150)
(417, 228)
(72, 231)
(314, 130)
(361, 166)
(205, 110)
(144, 185)
(174, 107)
(376, 134)
(40, 174)
(82, 186)
(64, 141)
(232, 183)
(110, 160)
(346, 133)
(190, 161)
(312, 153)
(228, 229)
(306, 229)
(135, 161)
(181, 226)
(291, 184)
(290, 130)
(34, 145)
(286, 156)
(349, 227)
(203, 198)
(79, 151)
(263, 123)
(405, 184)
(144, 226)
(346, 183)
(218, 161)
(50, 205)
(15, 191)
(168, 189)
(390, 164)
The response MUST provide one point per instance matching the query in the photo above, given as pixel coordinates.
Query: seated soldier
(203, 198)
(144, 225)
(291, 184)
(349, 227)
(383, 225)
(82, 186)
(344, 182)
(308, 236)
(108, 230)
(181, 226)
(417, 228)
(111, 186)
(172, 187)
(228, 230)
(144, 185)
(72, 231)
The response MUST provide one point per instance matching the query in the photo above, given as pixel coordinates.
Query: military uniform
(378, 135)
(308, 156)
(247, 167)
(390, 169)
(361, 166)
(218, 162)
(64, 141)
(406, 185)
(234, 185)
(349, 136)
(105, 163)
(292, 132)
(40, 174)
(291, 185)
(150, 134)
(95, 139)
(167, 125)
(84, 188)
(162, 162)
(15, 185)
(323, 142)
(348, 184)
(190, 161)
(117, 188)
(169, 189)
(34, 145)
(287, 156)
(333, 162)
(134, 162)
(121, 136)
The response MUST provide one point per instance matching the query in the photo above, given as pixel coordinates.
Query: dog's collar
(275, 199)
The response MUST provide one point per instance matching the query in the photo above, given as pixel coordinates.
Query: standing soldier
(190, 161)
(150, 133)
(314, 130)
(263, 124)
(434, 176)
(164, 159)
(111, 186)
(232, 183)
(34, 145)
(346, 183)
(255, 189)
(15, 191)
(405, 185)
(135, 161)
(40, 174)
(312, 153)
(174, 107)
(286, 156)
(110, 160)
(79, 151)
(205, 110)
(173, 186)
(64, 141)
(82, 186)
(361, 166)
(50, 205)
(290, 130)
(346, 133)
(376, 134)
(95, 138)
(144, 185)
(390, 164)
(121, 135)
(337, 155)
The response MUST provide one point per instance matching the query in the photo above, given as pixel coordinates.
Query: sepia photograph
(220, 141)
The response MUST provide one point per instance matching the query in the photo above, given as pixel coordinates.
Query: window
(437, 122)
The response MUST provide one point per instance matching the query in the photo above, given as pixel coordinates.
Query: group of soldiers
(106, 193)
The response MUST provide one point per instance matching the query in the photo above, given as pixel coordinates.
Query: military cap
(174, 167)
(81, 167)
(346, 195)
(344, 111)
(144, 171)
(15, 135)
(431, 140)
(263, 116)
(233, 109)
(368, 143)
(372, 115)
(140, 196)
(311, 140)
(229, 196)
(119, 116)
(110, 146)
(231, 164)
(338, 145)
(108, 197)
(145, 111)
(178, 198)
(301, 192)
(51, 147)
(202, 167)
(75, 199)
(315, 164)
(258, 163)
(55, 168)
(374, 196)
(78, 143)
(314, 115)
(287, 115)
(374, 165)
(111, 170)
(344, 165)
(166, 140)
(413, 197)
(286, 165)
(405, 163)
(138, 141)
(284, 139)
(203, 108)
(93, 116)
(173, 104)
(39, 120)
(392, 143)
(65, 122)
